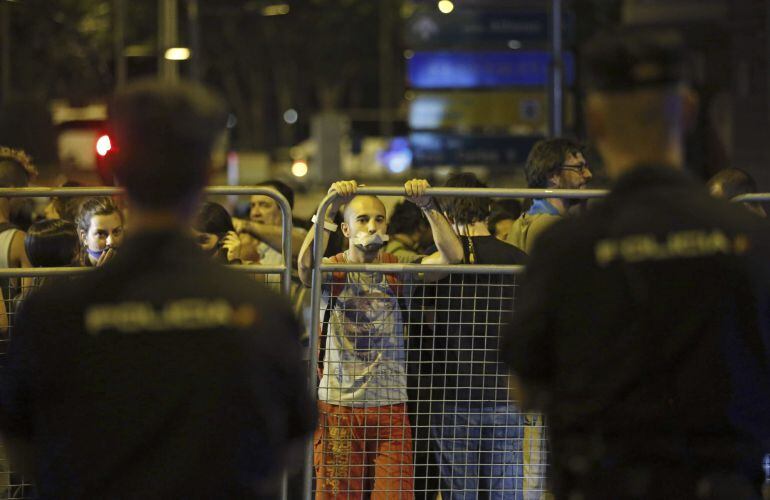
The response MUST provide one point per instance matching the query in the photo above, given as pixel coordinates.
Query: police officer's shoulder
(563, 237)
(239, 287)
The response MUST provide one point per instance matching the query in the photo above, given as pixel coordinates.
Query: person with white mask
(363, 441)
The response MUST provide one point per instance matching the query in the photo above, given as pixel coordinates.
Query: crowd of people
(441, 395)
(424, 385)
(444, 421)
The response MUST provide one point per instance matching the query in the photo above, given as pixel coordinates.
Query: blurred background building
(371, 89)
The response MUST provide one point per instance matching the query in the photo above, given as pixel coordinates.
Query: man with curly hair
(555, 163)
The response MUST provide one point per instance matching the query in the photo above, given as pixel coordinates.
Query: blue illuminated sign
(432, 149)
(459, 70)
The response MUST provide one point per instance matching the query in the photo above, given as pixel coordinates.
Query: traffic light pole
(556, 96)
(5, 49)
(168, 36)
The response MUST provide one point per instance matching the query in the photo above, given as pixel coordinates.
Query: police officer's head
(637, 101)
(164, 135)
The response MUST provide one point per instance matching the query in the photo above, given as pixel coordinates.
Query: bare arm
(18, 252)
(272, 235)
(450, 249)
(19, 258)
(305, 260)
(3, 313)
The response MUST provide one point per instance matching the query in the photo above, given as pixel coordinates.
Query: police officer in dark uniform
(161, 374)
(641, 328)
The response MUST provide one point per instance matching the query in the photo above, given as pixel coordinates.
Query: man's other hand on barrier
(415, 192)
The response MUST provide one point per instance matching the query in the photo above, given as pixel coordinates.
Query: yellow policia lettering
(677, 245)
(131, 317)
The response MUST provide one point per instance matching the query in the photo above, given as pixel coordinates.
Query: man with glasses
(552, 164)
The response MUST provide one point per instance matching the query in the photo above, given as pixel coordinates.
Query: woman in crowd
(52, 243)
(48, 243)
(100, 229)
(213, 230)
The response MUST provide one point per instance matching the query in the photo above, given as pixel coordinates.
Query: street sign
(433, 149)
(429, 29)
(444, 70)
(523, 112)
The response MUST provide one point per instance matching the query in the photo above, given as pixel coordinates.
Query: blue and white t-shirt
(365, 357)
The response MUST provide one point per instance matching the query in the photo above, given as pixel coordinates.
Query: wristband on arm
(328, 225)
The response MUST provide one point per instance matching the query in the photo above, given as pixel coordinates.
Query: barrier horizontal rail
(42, 272)
(751, 197)
(484, 192)
(424, 268)
(33, 192)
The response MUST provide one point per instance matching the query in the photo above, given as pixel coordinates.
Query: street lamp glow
(290, 116)
(177, 54)
(299, 168)
(446, 6)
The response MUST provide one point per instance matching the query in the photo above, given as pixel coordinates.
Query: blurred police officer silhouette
(641, 326)
(161, 374)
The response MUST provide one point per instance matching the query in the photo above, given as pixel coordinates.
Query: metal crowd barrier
(458, 423)
(753, 197)
(12, 485)
(429, 315)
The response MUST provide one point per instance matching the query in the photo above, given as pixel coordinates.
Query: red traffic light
(103, 145)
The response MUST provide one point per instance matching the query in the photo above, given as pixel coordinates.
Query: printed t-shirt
(364, 359)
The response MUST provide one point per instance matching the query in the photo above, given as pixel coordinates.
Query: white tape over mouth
(368, 241)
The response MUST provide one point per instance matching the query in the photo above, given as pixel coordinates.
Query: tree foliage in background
(323, 55)
(61, 49)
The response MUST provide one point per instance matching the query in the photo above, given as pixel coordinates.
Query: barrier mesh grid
(13, 486)
(413, 402)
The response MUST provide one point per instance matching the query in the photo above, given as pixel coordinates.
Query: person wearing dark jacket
(641, 327)
(476, 432)
(160, 374)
